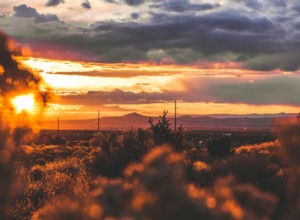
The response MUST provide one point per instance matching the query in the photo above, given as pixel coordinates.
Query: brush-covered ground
(129, 177)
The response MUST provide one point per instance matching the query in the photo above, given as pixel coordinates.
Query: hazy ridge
(135, 120)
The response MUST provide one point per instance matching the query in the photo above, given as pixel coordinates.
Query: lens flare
(23, 103)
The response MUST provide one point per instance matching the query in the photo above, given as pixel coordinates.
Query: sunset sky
(123, 56)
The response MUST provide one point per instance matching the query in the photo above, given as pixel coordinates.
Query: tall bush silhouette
(162, 133)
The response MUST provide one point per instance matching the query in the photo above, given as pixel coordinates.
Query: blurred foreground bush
(155, 188)
(127, 178)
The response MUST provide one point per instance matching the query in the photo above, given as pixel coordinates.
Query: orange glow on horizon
(127, 69)
(71, 112)
(133, 77)
(203, 108)
(80, 77)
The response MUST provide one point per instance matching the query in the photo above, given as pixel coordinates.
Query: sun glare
(23, 103)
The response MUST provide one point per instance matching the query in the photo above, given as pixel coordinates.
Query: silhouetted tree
(179, 140)
(137, 142)
(98, 140)
(145, 140)
(162, 132)
(113, 139)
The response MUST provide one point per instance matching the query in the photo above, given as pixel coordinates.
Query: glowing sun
(23, 103)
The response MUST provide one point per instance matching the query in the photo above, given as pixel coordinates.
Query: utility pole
(175, 119)
(58, 125)
(98, 121)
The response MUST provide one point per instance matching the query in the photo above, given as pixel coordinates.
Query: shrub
(252, 168)
(61, 210)
(37, 174)
(163, 134)
(161, 130)
(98, 140)
(58, 141)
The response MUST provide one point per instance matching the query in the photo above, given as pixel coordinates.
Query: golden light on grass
(24, 103)
(211, 202)
(200, 165)
(95, 211)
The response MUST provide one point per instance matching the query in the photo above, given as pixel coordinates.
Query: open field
(125, 176)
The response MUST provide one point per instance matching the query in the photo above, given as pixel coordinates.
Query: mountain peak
(133, 115)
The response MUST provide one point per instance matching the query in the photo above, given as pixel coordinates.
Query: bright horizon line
(154, 85)
(171, 115)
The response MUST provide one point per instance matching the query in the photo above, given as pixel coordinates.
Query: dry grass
(54, 182)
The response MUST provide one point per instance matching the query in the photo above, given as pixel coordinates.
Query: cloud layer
(86, 4)
(259, 38)
(23, 11)
(263, 36)
(54, 2)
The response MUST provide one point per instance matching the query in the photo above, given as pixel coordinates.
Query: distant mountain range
(135, 120)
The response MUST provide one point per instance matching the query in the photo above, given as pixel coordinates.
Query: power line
(58, 125)
(98, 120)
(175, 118)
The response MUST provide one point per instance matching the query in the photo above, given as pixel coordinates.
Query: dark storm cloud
(281, 90)
(117, 97)
(224, 32)
(86, 4)
(135, 15)
(280, 3)
(263, 5)
(54, 2)
(277, 90)
(254, 4)
(24, 11)
(182, 5)
(169, 5)
(285, 61)
(209, 34)
(46, 18)
(113, 1)
(134, 2)
(128, 2)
